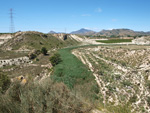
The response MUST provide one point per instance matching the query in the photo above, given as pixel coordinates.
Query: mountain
(52, 32)
(121, 32)
(83, 32)
(113, 32)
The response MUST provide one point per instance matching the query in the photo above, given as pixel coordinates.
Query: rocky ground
(4, 38)
(121, 73)
(142, 40)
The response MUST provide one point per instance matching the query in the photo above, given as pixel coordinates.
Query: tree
(44, 51)
(55, 59)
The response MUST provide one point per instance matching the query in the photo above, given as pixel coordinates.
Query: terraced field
(122, 74)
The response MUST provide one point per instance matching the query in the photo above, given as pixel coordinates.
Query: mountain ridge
(113, 32)
(83, 31)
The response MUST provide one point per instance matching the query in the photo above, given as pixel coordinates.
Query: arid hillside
(122, 73)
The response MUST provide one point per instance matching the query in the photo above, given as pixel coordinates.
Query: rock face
(61, 36)
(142, 41)
(15, 61)
(4, 38)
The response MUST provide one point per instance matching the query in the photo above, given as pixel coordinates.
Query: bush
(33, 54)
(55, 59)
(44, 51)
(133, 99)
(126, 83)
(148, 101)
(47, 97)
(4, 82)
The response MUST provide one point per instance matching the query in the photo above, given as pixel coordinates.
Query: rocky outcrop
(142, 41)
(4, 38)
(15, 61)
(61, 36)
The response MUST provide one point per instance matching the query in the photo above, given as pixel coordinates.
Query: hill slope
(36, 40)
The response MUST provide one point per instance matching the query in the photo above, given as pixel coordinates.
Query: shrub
(4, 82)
(133, 99)
(47, 97)
(148, 100)
(148, 84)
(44, 51)
(55, 59)
(126, 83)
(32, 56)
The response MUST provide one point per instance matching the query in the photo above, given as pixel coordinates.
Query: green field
(115, 40)
(72, 72)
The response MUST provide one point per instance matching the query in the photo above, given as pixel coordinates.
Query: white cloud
(99, 10)
(86, 15)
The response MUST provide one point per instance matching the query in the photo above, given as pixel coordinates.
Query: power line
(12, 27)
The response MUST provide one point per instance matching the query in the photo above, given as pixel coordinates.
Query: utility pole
(12, 28)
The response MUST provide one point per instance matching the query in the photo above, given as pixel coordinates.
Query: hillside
(4, 37)
(36, 40)
(122, 74)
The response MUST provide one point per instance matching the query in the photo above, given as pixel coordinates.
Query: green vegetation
(55, 59)
(11, 54)
(115, 40)
(148, 100)
(126, 83)
(44, 51)
(33, 54)
(119, 108)
(47, 97)
(72, 72)
(4, 82)
(133, 99)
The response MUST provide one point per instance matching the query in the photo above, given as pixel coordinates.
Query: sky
(72, 15)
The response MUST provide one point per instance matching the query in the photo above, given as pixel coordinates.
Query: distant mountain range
(113, 32)
(121, 32)
(83, 32)
(51, 32)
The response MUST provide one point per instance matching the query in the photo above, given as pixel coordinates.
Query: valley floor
(98, 78)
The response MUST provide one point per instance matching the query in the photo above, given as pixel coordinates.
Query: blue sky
(58, 15)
